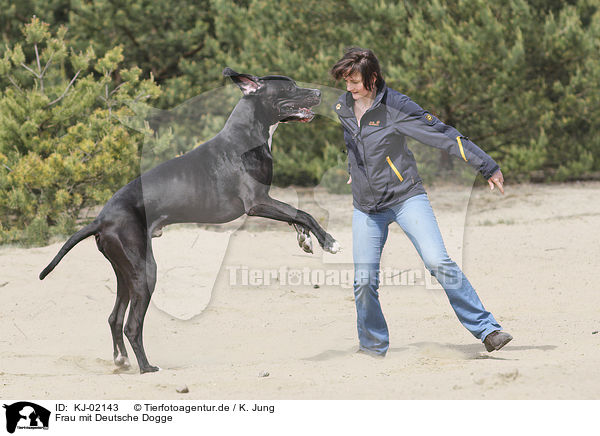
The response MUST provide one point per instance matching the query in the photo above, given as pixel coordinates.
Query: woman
(386, 188)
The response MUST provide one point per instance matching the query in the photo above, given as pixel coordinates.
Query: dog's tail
(88, 230)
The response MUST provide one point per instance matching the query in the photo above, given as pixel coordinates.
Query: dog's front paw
(333, 248)
(305, 242)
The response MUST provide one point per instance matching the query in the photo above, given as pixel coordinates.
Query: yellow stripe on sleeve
(460, 147)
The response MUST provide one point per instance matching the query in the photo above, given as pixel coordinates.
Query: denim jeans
(416, 218)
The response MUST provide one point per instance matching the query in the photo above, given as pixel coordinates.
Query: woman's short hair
(359, 60)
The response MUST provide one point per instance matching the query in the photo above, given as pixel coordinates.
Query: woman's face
(354, 84)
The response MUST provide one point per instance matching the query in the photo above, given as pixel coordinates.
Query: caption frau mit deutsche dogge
(161, 413)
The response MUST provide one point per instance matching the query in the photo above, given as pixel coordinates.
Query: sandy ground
(217, 323)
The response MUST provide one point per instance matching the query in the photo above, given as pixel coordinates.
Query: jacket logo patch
(374, 123)
(338, 106)
(429, 118)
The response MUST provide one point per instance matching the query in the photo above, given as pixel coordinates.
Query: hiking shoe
(496, 340)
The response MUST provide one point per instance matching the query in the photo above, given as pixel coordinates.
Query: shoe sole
(370, 353)
(490, 348)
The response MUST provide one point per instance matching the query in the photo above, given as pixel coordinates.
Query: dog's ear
(248, 84)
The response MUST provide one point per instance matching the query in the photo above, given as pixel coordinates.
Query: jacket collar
(345, 104)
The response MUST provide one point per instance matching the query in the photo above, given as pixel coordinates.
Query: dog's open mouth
(304, 115)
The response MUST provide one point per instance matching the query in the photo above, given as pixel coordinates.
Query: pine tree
(62, 148)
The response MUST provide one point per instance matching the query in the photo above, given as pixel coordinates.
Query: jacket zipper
(359, 140)
(389, 161)
(356, 137)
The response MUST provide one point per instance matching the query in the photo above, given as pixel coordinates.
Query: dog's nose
(318, 93)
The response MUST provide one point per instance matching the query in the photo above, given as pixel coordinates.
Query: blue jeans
(416, 218)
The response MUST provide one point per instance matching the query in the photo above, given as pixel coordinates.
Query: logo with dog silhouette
(26, 415)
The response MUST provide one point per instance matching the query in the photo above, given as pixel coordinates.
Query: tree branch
(37, 58)
(30, 70)
(193, 51)
(174, 64)
(117, 88)
(21, 17)
(139, 97)
(15, 85)
(46, 66)
(65, 91)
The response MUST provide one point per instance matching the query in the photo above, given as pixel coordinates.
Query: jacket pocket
(394, 169)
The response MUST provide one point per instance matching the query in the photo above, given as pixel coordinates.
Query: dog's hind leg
(130, 252)
(143, 280)
(115, 321)
(111, 248)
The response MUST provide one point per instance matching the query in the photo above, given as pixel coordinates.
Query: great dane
(217, 182)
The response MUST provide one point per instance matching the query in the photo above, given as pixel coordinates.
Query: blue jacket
(383, 169)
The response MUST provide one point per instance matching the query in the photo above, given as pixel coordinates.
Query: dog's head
(278, 97)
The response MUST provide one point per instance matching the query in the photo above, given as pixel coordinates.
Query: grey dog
(217, 182)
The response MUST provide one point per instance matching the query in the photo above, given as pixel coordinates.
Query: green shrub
(62, 147)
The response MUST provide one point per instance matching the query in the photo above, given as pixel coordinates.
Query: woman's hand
(498, 180)
(349, 180)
